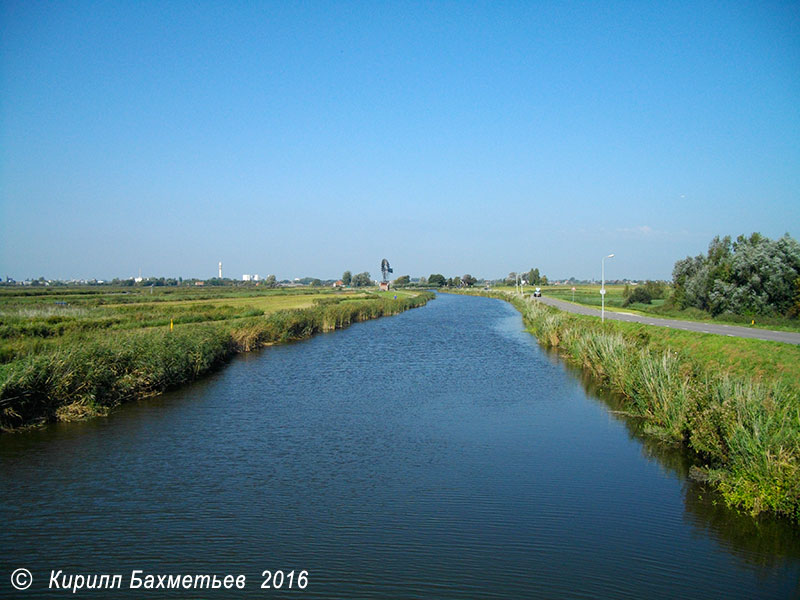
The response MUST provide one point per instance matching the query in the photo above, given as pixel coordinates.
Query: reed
(90, 374)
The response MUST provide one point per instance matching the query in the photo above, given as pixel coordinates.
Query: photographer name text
(140, 580)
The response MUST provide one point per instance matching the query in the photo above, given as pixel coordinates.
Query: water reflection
(764, 541)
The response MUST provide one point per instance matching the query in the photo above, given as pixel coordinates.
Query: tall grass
(89, 375)
(743, 432)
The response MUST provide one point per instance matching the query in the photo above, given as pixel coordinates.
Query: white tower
(220, 269)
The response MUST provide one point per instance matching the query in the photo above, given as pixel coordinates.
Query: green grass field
(589, 295)
(32, 320)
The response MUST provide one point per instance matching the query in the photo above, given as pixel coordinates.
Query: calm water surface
(436, 454)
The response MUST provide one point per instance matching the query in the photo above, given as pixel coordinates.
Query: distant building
(338, 284)
(247, 277)
(199, 282)
(385, 286)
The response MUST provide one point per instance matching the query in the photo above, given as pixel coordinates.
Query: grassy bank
(68, 362)
(589, 295)
(741, 424)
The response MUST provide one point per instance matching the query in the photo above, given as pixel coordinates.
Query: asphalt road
(729, 330)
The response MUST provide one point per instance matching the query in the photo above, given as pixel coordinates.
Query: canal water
(436, 454)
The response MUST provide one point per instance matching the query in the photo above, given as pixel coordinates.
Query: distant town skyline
(306, 139)
(249, 278)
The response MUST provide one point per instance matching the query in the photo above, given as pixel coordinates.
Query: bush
(754, 275)
(639, 294)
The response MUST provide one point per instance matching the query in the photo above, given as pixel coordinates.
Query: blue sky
(306, 138)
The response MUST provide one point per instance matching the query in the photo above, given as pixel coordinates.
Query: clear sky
(306, 138)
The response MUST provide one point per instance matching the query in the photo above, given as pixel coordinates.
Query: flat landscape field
(34, 319)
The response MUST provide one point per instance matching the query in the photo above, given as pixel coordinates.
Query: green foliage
(795, 310)
(437, 280)
(644, 293)
(361, 280)
(468, 280)
(402, 281)
(668, 308)
(639, 294)
(754, 276)
(108, 370)
(347, 277)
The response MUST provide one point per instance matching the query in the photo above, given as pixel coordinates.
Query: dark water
(436, 454)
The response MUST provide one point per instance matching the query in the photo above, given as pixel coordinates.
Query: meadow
(72, 353)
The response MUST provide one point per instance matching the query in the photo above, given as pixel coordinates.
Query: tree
(533, 277)
(316, 282)
(361, 280)
(795, 310)
(754, 275)
(402, 280)
(468, 280)
(639, 294)
(270, 282)
(437, 280)
(347, 277)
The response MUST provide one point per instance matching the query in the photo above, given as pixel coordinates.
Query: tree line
(358, 280)
(532, 277)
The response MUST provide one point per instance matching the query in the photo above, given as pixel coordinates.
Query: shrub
(639, 294)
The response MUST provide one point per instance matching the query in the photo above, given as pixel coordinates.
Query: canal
(439, 453)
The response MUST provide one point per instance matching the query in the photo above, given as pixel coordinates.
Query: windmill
(385, 269)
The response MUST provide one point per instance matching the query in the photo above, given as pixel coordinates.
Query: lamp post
(603, 287)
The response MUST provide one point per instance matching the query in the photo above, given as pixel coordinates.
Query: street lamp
(603, 288)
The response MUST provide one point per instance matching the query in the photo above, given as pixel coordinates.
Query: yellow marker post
(170, 324)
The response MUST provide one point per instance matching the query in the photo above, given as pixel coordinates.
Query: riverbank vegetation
(69, 356)
(664, 308)
(751, 281)
(733, 403)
